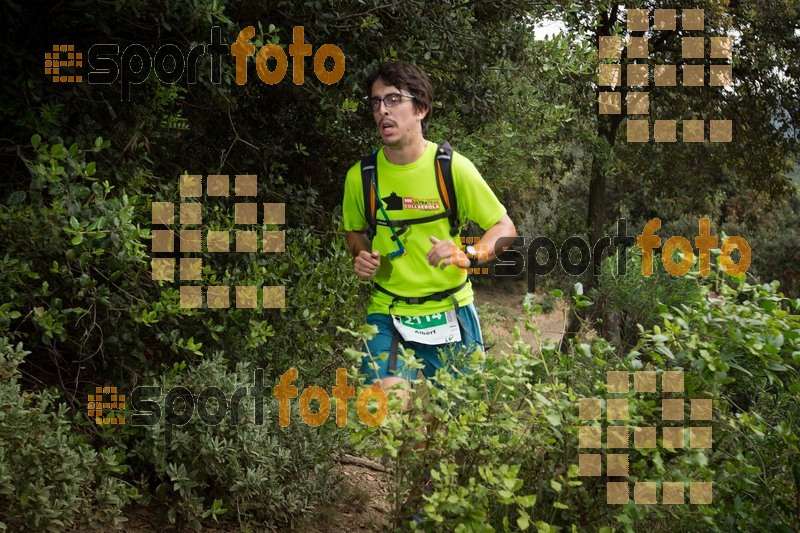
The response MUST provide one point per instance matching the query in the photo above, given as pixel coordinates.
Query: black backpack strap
(369, 173)
(393, 349)
(435, 297)
(447, 190)
(444, 182)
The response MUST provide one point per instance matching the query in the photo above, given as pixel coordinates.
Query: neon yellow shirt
(408, 192)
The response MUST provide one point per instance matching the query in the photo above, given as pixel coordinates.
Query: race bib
(438, 328)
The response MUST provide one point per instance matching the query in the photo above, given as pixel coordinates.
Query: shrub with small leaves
(252, 471)
(499, 439)
(50, 478)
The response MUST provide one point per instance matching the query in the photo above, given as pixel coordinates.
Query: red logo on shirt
(422, 204)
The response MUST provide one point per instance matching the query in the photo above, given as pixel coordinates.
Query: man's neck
(405, 155)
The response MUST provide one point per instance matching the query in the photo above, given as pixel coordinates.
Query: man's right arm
(357, 242)
(365, 262)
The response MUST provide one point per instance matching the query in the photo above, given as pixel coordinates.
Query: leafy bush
(50, 478)
(769, 226)
(90, 285)
(85, 294)
(473, 435)
(773, 239)
(622, 302)
(501, 445)
(259, 473)
(743, 349)
(73, 291)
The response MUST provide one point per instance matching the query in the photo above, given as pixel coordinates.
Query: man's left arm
(476, 201)
(487, 248)
(445, 252)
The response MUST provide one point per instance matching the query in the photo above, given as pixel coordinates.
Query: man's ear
(421, 111)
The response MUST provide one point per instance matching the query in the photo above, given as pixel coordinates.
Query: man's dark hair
(406, 77)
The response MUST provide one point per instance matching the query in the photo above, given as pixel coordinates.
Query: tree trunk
(595, 217)
(607, 126)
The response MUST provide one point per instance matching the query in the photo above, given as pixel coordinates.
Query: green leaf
(505, 494)
(740, 368)
(91, 168)
(526, 501)
(573, 471)
(77, 239)
(554, 419)
(57, 151)
(17, 197)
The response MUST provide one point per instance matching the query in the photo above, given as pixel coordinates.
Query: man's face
(398, 125)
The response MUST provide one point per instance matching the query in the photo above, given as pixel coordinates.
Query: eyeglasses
(390, 100)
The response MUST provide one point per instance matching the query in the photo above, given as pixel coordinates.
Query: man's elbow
(504, 234)
(509, 229)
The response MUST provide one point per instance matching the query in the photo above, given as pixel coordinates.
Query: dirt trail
(500, 310)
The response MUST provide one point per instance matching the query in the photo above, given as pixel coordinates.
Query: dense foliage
(500, 440)
(50, 477)
(83, 163)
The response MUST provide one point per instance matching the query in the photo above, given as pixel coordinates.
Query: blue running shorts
(429, 355)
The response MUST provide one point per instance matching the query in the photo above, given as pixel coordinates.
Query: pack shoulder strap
(369, 173)
(447, 190)
(444, 183)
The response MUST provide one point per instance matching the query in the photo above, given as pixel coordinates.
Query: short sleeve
(476, 200)
(353, 203)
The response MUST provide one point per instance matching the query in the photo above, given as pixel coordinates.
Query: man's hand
(367, 263)
(445, 253)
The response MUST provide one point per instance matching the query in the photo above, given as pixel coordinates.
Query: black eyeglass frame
(375, 102)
